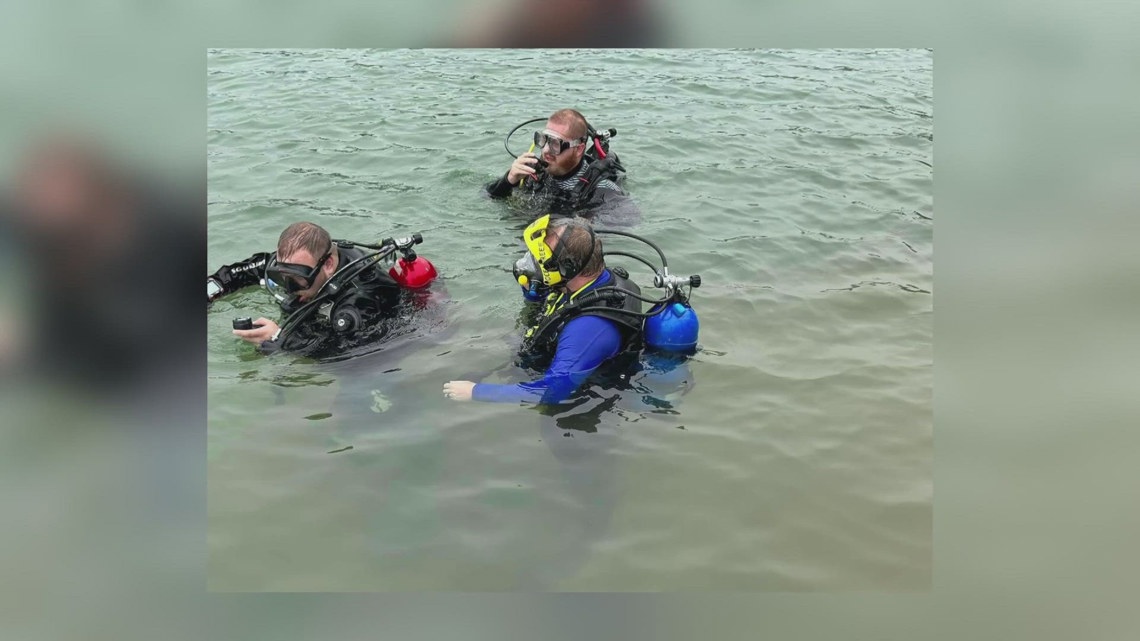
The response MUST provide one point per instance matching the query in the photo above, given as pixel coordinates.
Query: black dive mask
(293, 277)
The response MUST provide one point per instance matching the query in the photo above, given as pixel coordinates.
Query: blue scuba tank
(674, 328)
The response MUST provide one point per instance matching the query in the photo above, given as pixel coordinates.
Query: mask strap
(593, 239)
(558, 251)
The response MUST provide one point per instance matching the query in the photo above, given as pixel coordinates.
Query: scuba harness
(600, 163)
(670, 324)
(351, 293)
(619, 302)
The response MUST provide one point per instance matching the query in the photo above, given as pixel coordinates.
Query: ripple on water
(792, 453)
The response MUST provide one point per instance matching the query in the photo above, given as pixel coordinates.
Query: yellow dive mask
(535, 238)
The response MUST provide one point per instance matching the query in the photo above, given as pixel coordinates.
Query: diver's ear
(329, 268)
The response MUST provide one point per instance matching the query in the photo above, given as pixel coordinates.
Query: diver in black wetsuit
(569, 170)
(337, 294)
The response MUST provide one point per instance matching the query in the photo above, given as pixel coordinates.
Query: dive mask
(292, 277)
(288, 302)
(535, 238)
(552, 265)
(557, 144)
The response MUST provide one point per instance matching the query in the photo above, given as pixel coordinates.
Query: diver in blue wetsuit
(591, 315)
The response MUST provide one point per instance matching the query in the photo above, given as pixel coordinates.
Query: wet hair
(308, 236)
(575, 234)
(571, 118)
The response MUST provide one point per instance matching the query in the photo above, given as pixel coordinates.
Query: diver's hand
(522, 167)
(258, 334)
(458, 390)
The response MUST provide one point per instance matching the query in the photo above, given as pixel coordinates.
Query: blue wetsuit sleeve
(585, 343)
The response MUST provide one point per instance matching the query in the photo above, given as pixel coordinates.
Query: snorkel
(541, 167)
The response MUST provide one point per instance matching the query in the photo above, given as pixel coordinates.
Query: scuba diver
(569, 169)
(337, 294)
(592, 315)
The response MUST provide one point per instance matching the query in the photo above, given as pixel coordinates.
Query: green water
(793, 452)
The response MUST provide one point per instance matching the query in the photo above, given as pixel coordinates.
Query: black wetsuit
(361, 308)
(590, 186)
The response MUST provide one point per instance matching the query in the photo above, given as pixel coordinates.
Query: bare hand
(458, 390)
(258, 334)
(522, 167)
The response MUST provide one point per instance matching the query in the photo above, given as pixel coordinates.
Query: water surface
(793, 452)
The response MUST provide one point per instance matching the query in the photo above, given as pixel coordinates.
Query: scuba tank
(670, 325)
(412, 271)
(675, 327)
